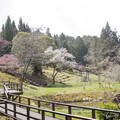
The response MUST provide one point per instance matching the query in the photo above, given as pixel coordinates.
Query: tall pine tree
(14, 29)
(108, 41)
(20, 25)
(8, 35)
(48, 32)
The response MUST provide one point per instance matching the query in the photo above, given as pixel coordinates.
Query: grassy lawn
(73, 85)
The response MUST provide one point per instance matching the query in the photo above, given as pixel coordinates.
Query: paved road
(23, 111)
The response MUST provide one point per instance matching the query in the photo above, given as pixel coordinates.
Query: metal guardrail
(93, 110)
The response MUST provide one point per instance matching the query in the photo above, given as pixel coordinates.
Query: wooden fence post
(28, 113)
(69, 112)
(69, 109)
(19, 101)
(6, 107)
(38, 106)
(53, 109)
(43, 115)
(28, 101)
(68, 118)
(93, 113)
(14, 110)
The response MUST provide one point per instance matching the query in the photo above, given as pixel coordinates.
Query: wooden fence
(38, 101)
(27, 113)
(12, 85)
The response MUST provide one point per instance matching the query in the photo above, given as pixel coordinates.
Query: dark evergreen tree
(55, 37)
(108, 41)
(92, 56)
(79, 50)
(60, 40)
(48, 32)
(23, 27)
(27, 28)
(8, 30)
(3, 32)
(14, 29)
(20, 25)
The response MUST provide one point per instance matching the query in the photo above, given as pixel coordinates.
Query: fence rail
(12, 85)
(93, 110)
(28, 107)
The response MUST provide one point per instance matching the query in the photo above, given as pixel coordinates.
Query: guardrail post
(93, 113)
(28, 113)
(14, 110)
(38, 106)
(53, 109)
(43, 115)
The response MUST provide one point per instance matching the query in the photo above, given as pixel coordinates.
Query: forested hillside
(91, 51)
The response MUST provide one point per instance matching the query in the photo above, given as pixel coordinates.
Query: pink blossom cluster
(8, 61)
(5, 42)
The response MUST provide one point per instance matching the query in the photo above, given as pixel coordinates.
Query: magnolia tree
(58, 60)
(29, 49)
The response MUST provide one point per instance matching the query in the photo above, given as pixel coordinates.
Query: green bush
(108, 115)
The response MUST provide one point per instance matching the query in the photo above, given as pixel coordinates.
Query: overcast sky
(72, 17)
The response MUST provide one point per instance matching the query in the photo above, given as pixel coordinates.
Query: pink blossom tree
(8, 63)
(5, 46)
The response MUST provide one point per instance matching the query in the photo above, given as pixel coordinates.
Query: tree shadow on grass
(58, 85)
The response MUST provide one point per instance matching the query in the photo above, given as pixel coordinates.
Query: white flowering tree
(59, 59)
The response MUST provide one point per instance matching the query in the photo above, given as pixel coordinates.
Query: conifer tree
(8, 30)
(79, 49)
(20, 25)
(48, 34)
(27, 28)
(3, 32)
(14, 29)
(108, 41)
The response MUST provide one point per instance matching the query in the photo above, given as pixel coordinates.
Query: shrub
(108, 115)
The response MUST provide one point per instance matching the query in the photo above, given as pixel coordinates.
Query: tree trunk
(54, 75)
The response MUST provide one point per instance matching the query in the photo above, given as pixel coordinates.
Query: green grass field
(72, 85)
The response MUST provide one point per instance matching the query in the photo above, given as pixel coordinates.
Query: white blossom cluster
(60, 56)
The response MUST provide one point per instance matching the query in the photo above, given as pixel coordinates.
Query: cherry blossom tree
(59, 59)
(8, 63)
